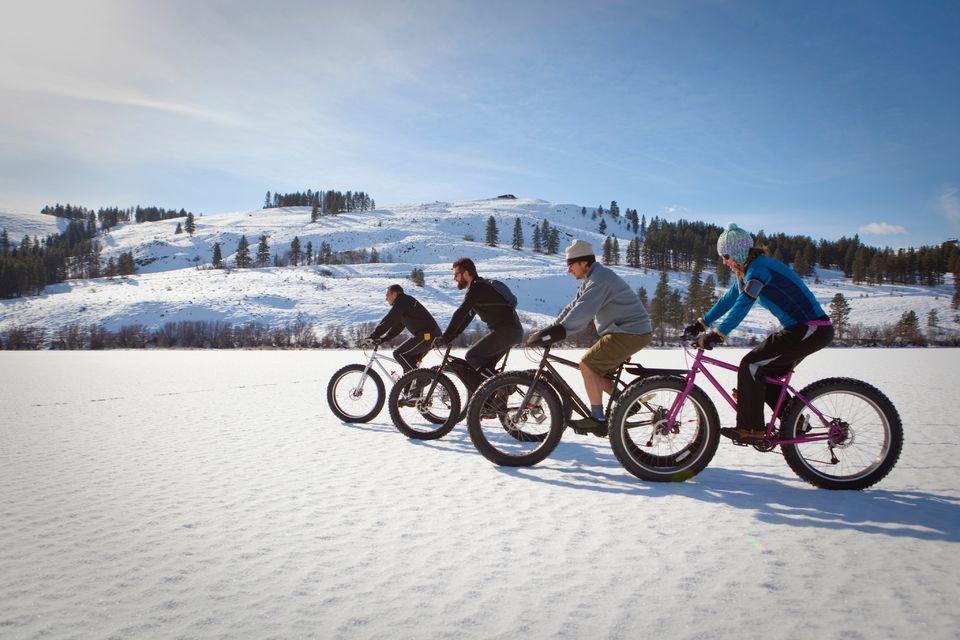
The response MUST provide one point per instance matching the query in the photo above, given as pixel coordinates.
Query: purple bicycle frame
(699, 366)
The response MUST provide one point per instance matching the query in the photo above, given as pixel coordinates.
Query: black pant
(406, 354)
(774, 357)
(491, 347)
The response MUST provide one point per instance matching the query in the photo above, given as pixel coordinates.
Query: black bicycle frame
(557, 380)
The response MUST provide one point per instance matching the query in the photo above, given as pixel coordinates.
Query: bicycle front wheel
(420, 413)
(650, 445)
(355, 396)
(508, 431)
(864, 428)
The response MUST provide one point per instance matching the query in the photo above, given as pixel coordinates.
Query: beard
(462, 284)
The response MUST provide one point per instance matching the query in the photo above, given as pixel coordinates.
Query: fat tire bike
(517, 418)
(356, 392)
(426, 403)
(835, 433)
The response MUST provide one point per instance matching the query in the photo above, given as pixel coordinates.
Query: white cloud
(882, 229)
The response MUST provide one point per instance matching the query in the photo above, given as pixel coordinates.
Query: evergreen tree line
(325, 202)
(296, 255)
(108, 217)
(26, 268)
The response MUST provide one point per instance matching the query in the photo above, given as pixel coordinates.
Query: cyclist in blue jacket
(805, 326)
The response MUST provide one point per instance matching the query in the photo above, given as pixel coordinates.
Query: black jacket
(406, 313)
(484, 301)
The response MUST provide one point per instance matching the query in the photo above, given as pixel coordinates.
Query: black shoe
(589, 425)
(744, 436)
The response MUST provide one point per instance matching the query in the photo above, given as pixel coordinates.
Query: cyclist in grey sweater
(619, 317)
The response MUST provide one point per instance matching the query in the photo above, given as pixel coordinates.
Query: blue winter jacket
(775, 286)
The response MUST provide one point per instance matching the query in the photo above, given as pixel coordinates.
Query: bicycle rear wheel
(353, 396)
(508, 432)
(866, 441)
(416, 412)
(650, 447)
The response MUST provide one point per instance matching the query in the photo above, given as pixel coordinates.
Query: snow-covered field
(172, 494)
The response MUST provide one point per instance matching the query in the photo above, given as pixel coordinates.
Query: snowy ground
(213, 495)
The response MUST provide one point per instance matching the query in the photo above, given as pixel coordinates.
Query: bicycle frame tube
(578, 404)
(374, 359)
(700, 363)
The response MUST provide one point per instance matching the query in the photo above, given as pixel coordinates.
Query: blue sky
(816, 118)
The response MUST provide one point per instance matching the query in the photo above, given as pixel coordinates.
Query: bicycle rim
(354, 396)
(509, 431)
(864, 452)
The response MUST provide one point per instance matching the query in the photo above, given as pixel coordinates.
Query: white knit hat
(735, 242)
(578, 250)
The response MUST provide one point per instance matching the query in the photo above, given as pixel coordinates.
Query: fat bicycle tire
(420, 417)
(652, 450)
(507, 434)
(463, 377)
(864, 455)
(362, 406)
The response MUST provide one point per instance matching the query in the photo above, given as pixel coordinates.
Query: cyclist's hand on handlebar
(691, 331)
(709, 340)
(553, 333)
(439, 342)
(369, 341)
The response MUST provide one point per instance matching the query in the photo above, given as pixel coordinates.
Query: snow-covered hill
(174, 281)
(21, 223)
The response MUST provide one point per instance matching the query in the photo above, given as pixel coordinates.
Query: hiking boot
(744, 436)
(584, 426)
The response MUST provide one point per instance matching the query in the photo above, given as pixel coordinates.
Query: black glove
(709, 340)
(553, 333)
(439, 342)
(691, 332)
(369, 341)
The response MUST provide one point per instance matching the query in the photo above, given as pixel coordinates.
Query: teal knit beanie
(735, 242)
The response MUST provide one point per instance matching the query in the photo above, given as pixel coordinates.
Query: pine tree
(417, 277)
(537, 246)
(840, 314)
(178, 230)
(267, 201)
(517, 235)
(217, 257)
(190, 225)
(616, 250)
(642, 295)
(263, 252)
(553, 242)
(603, 225)
(295, 252)
(709, 293)
(309, 256)
(608, 251)
(243, 253)
(492, 235)
(694, 303)
(614, 209)
(908, 328)
(659, 306)
(315, 212)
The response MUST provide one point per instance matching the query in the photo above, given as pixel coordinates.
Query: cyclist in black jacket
(406, 312)
(483, 300)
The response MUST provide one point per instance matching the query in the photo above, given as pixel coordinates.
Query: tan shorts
(613, 349)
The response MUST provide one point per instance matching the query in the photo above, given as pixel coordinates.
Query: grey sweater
(606, 299)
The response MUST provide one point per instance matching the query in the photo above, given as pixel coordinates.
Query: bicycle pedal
(737, 443)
